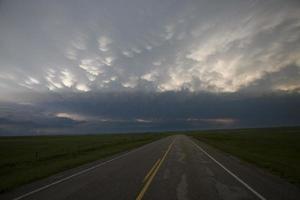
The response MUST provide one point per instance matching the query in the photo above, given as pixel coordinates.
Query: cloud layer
(127, 111)
(123, 62)
(146, 45)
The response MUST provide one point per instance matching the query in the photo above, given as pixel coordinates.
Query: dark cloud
(139, 111)
(108, 66)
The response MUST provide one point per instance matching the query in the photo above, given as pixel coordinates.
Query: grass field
(275, 149)
(24, 159)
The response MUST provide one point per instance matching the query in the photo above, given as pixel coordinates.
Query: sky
(76, 67)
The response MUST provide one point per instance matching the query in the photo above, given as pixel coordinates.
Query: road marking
(151, 170)
(146, 186)
(230, 172)
(78, 173)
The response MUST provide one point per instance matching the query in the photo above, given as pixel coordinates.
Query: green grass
(275, 149)
(25, 159)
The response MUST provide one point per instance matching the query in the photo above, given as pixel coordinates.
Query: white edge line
(231, 173)
(78, 173)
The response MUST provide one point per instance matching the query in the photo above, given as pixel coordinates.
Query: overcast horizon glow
(59, 56)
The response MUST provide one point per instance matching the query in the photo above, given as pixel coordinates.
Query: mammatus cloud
(148, 65)
(200, 45)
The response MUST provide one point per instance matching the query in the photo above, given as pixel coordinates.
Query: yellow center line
(151, 170)
(146, 186)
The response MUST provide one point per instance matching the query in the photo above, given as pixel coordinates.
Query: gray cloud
(286, 79)
(137, 111)
(104, 64)
(159, 46)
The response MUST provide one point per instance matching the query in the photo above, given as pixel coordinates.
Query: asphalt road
(172, 168)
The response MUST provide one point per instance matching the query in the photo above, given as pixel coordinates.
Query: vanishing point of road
(176, 167)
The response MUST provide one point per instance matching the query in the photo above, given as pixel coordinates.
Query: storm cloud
(140, 65)
(140, 111)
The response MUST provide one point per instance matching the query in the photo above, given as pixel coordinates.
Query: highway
(176, 167)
